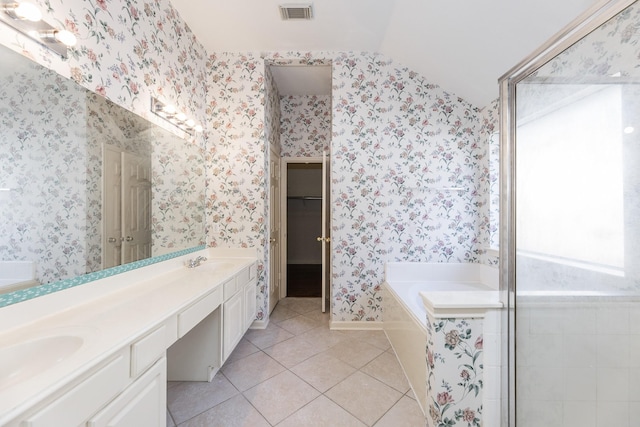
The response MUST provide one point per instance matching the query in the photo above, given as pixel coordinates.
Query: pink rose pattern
(305, 125)
(454, 372)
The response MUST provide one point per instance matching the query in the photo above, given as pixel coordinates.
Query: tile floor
(299, 373)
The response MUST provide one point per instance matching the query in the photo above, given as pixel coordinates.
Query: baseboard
(355, 326)
(259, 324)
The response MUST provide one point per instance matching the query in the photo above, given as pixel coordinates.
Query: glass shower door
(575, 232)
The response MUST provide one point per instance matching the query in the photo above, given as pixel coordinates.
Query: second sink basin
(29, 358)
(215, 265)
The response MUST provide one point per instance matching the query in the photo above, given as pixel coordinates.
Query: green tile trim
(49, 288)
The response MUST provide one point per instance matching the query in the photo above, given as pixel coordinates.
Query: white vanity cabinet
(128, 390)
(239, 309)
(142, 404)
(73, 407)
(180, 323)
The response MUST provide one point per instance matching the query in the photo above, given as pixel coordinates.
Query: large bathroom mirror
(86, 185)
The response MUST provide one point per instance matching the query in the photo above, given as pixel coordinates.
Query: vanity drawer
(147, 350)
(76, 405)
(198, 311)
(231, 287)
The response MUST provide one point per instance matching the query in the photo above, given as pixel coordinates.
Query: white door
(326, 233)
(274, 230)
(136, 227)
(112, 207)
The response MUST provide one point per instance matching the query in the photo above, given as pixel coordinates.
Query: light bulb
(628, 129)
(65, 37)
(169, 110)
(198, 128)
(191, 123)
(27, 11)
(181, 117)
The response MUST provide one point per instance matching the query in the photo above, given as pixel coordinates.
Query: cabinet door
(249, 304)
(142, 404)
(233, 325)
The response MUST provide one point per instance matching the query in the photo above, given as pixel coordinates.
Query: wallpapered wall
(399, 144)
(305, 125)
(392, 132)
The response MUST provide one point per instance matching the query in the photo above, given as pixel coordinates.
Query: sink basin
(215, 265)
(29, 358)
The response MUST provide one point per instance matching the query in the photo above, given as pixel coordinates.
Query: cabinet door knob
(319, 239)
(272, 240)
(112, 240)
(129, 238)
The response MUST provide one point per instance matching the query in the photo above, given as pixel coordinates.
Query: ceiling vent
(295, 11)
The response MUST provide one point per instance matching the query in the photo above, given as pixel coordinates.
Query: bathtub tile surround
(454, 372)
(452, 363)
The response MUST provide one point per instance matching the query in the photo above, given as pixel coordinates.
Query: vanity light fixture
(23, 11)
(26, 18)
(169, 113)
(65, 37)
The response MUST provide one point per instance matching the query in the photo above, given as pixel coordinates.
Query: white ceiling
(462, 45)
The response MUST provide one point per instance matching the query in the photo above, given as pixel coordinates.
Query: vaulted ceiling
(462, 45)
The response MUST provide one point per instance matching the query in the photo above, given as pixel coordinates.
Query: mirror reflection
(85, 184)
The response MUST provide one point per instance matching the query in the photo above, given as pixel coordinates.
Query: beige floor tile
(323, 371)
(235, 412)
(405, 413)
(355, 352)
(364, 396)
(281, 313)
(188, 399)
(172, 384)
(323, 338)
(170, 422)
(320, 317)
(293, 351)
(280, 396)
(303, 305)
(322, 412)
(251, 370)
(374, 337)
(299, 324)
(242, 350)
(263, 338)
(387, 369)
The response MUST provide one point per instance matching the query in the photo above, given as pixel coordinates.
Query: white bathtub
(405, 314)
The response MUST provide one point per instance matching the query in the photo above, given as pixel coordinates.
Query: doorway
(127, 194)
(304, 226)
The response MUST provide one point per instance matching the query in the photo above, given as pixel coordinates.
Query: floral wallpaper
(407, 176)
(237, 160)
(408, 157)
(305, 125)
(409, 167)
(454, 372)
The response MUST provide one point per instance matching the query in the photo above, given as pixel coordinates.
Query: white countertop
(109, 314)
(469, 304)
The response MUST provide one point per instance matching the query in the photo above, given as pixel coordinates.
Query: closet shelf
(305, 197)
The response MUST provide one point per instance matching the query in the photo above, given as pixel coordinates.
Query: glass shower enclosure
(570, 214)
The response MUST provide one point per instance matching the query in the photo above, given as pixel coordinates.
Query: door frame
(284, 232)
